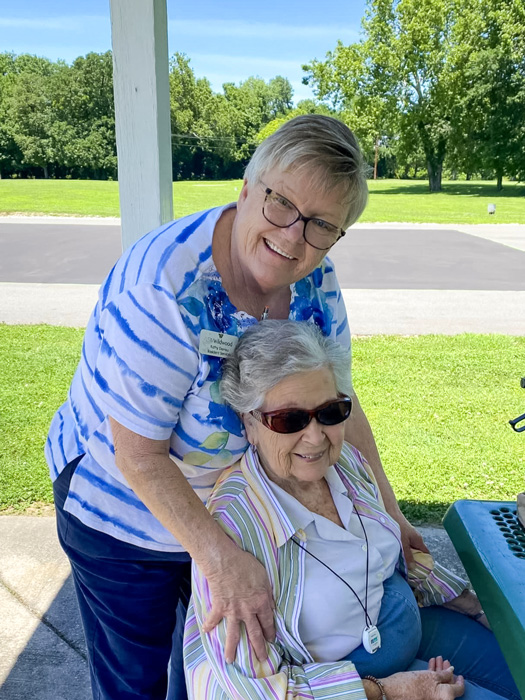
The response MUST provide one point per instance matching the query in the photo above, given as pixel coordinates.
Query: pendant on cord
(371, 639)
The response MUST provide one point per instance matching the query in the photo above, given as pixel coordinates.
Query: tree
(280, 94)
(10, 155)
(213, 135)
(256, 103)
(30, 114)
(202, 124)
(61, 117)
(85, 107)
(400, 74)
(356, 81)
(490, 109)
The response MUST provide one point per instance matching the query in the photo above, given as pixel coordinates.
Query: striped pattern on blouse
(250, 514)
(141, 364)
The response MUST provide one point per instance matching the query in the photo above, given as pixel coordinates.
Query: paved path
(42, 650)
(396, 278)
(371, 257)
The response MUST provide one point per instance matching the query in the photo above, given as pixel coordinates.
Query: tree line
(58, 120)
(431, 86)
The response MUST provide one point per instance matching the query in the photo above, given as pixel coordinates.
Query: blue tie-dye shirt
(141, 365)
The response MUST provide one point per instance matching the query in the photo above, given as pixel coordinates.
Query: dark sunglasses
(292, 420)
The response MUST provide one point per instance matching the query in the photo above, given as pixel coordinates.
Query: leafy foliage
(431, 77)
(58, 120)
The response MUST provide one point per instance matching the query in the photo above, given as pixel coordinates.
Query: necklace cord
(368, 620)
(367, 554)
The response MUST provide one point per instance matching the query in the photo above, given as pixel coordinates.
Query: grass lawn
(390, 200)
(439, 407)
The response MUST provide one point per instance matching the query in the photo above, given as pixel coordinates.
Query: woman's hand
(438, 663)
(410, 537)
(241, 592)
(425, 685)
(468, 604)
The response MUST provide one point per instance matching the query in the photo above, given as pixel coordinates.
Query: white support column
(142, 113)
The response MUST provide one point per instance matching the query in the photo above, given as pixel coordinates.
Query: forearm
(164, 490)
(359, 434)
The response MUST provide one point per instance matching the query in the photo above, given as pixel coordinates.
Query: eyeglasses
(279, 211)
(293, 420)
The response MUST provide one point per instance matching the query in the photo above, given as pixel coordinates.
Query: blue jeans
(133, 605)
(410, 636)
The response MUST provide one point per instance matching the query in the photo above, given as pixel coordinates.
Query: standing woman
(143, 436)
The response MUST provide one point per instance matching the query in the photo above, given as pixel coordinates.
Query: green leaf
(196, 458)
(222, 459)
(215, 441)
(215, 392)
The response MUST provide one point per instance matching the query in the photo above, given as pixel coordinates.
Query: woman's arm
(239, 586)
(278, 677)
(467, 603)
(247, 678)
(359, 434)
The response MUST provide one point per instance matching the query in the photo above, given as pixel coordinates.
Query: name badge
(217, 344)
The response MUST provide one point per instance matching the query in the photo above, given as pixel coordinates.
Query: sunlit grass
(439, 407)
(390, 200)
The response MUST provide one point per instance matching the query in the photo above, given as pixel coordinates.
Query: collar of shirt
(352, 474)
(301, 517)
(287, 521)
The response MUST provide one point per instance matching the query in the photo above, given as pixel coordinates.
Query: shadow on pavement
(52, 665)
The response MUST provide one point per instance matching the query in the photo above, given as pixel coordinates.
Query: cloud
(64, 23)
(218, 28)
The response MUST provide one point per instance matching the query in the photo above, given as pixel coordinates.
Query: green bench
(490, 542)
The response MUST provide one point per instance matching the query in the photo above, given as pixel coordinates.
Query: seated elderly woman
(304, 503)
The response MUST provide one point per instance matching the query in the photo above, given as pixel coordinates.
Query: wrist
(376, 683)
(392, 508)
(218, 554)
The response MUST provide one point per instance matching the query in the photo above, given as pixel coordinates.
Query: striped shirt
(141, 365)
(249, 512)
(331, 625)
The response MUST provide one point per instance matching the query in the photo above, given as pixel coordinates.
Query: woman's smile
(310, 457)
(275, 249)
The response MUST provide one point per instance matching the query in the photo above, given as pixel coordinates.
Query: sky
(226, 40)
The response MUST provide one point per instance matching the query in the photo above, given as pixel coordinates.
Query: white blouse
(332, 621)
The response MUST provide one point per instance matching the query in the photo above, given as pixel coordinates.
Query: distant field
(439, 406)
(390, 200)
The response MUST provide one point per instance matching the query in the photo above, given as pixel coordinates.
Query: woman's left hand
(410, 537)
(468, 604)
(438, 663)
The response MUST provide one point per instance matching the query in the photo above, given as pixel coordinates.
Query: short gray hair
(323, 146)
(273, 350)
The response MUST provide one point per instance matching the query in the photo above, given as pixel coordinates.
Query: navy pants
(133, 605)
